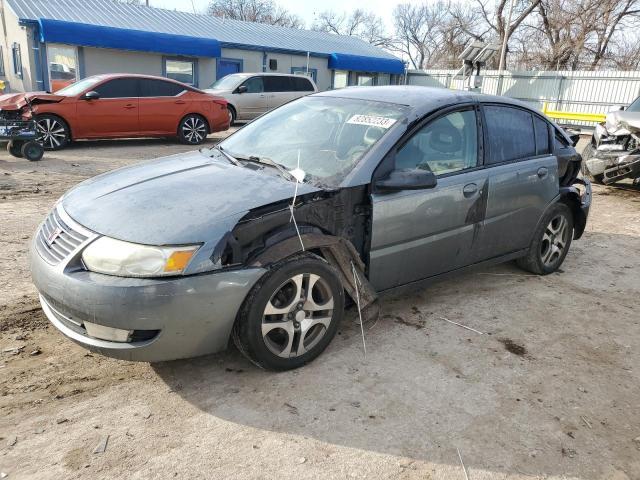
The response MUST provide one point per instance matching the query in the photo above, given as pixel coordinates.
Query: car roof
(421, 99)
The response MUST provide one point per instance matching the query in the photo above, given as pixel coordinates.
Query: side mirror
(415, 179)
(91, 95)
(242, 89)
(615, 108)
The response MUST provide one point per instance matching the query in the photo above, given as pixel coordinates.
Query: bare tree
(359, 23)
(259, 11)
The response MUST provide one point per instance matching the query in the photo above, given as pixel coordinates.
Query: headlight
(124, 259)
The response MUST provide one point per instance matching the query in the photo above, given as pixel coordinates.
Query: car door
(302, 86)
(162, 104)
(250, 98)
(113, 114)
(279, 90)
(420, 233)
(523, 178)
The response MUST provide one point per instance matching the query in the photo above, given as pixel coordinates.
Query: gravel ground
(550, 390)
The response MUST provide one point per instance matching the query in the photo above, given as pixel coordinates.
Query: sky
(304, 9)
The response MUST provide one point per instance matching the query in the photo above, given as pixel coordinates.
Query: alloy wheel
(51, 133)
(297, 315)
(554, 240)
(194, 129)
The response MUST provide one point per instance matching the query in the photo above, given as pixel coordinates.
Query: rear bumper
(166, 319)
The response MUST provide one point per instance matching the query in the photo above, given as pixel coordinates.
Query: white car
(249, 95)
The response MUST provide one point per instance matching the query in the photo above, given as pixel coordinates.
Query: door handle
(469, 189)
(180, 102)
(542, 172)
(262, 95)
(129, 106)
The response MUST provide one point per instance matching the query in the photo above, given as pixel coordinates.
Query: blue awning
(88, 35)
(343, 61)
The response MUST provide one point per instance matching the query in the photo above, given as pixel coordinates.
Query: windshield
(78, 87)
(635, 106)
(328, 135)
(226, 83)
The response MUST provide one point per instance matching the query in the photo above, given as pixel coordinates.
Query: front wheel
(291, 314)
(53, 132)
(551, 241)
(193, 130)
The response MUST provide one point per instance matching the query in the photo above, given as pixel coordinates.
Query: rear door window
(301, 84)
(118, 88)
(542, 136)
(277, 84)
(510, 133)
(159, 88)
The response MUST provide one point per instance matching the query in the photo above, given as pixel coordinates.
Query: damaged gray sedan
(614, 151)
(338, 195)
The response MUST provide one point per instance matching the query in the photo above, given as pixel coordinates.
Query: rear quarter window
(510, 133)
(542, 135)
(301, 84)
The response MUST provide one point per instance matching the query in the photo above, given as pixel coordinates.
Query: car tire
(587, 153)
(298, 329)
(232, 114)
(14, 147)
(193, 129)
(551, 241)
(53, 132)
(32, 151)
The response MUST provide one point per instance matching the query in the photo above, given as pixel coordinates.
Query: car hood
(15, 101)
(181, 199)
(622, 123)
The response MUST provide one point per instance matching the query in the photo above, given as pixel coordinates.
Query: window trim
(76, 56)
(388, 160)
(16, 54)
(516, 160)
(194, 62)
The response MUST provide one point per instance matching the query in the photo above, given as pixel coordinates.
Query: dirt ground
(551, 389)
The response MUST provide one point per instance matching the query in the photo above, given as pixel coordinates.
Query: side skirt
(419, 284)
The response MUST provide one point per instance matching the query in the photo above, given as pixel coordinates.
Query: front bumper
(167, 318)
(614, 166)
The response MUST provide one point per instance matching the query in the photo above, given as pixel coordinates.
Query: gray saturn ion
(338, 195)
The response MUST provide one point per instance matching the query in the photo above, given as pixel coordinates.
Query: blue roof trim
(343, 61)
(87, 35)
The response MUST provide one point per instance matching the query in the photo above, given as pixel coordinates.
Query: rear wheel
(291, 314)
(14, 147)
(53, 132)
(193, 129)
(32, 151)
(551, 241)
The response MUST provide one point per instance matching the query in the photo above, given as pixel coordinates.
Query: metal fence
(574, 91)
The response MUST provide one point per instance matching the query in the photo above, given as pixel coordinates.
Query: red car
(120, 106)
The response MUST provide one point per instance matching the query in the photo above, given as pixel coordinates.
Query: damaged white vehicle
(614, 151)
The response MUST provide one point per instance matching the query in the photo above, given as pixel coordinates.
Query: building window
(182, 70)
(2, 74)
(313, 72)
(17, 60)
(63, 66)
(340, 78)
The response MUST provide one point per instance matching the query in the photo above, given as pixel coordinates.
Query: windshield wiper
(228, 156)
(267, 161)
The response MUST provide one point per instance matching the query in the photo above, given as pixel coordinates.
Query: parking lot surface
(550, 388)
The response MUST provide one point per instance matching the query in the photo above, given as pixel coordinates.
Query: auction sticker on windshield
(372, 121)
